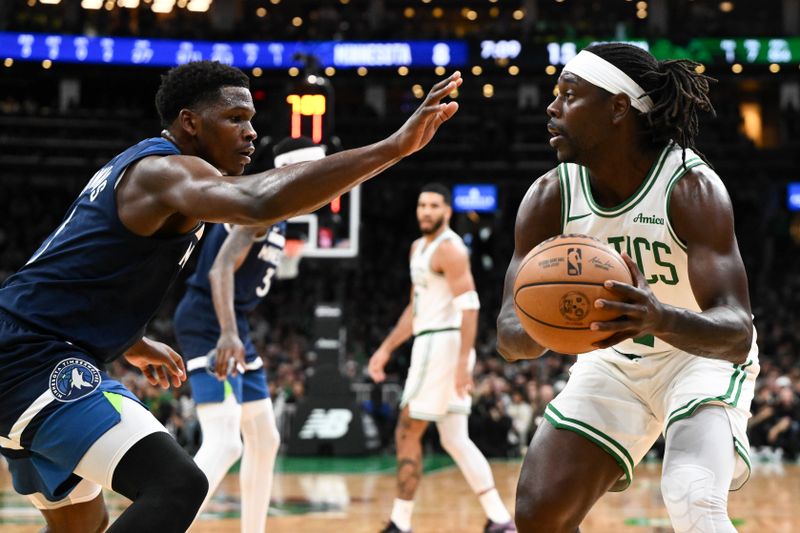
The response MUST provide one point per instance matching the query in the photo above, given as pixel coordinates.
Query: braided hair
(678, 92)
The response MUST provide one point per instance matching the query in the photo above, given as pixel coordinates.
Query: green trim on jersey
(743, 452)
(635, 198)
(425, 358)
(731, 396)
(612, 447)
(566, 196)
(682, 170)
(115, 400)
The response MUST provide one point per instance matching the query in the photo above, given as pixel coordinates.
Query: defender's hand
(641, 311)
(229, 347)
(420, 127)
(159, 363)
(376, 365)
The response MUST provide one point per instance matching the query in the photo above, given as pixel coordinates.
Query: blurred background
(77, 86)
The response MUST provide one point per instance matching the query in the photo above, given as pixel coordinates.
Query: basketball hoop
(288, 268)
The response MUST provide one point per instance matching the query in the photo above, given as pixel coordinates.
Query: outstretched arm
(161, 187)
(229, 258)
(538, 219)
(724, 327)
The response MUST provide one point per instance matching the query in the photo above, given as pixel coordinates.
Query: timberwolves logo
(73, 379)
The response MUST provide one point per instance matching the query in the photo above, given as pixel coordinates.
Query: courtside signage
(475, 197)
(263, 54)
(793, 196)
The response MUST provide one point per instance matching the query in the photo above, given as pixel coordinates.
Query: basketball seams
(547, 323)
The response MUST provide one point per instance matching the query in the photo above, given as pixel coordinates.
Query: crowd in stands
(400, 19)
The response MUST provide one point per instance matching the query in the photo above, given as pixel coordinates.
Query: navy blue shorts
(54, 404)
(197, 332)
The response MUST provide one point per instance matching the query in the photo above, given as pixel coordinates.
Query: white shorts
(101, 459)
(430, 390)
(622, 404)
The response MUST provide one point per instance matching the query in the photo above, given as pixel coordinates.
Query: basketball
(557, 285)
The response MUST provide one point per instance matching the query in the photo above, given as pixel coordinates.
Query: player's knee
(187, 490)
(540, 510)
(273, 441)
(80, 520)
(690, 498)
(230, 449)
(452, 443)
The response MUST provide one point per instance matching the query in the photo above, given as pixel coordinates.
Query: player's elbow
(507, 344)
(265, 211)
(504, 349)
(743, 346)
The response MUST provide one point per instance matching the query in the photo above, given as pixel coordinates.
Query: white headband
(312, 153)
(603, 74)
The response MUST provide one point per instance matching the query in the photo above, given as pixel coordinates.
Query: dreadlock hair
(678, 92)
(194, 83)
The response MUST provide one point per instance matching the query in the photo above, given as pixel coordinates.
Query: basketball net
(288, 268)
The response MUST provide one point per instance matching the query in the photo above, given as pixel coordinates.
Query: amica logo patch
(645, 219)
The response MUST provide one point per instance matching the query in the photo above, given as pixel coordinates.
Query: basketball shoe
(392, 528)
(494, 527)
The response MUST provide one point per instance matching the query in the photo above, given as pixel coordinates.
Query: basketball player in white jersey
(681, 360)
(443, 317)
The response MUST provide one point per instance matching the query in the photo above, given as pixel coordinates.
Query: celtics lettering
(639, 249)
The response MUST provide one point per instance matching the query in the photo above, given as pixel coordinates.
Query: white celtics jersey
(433, 301)
(639, 226)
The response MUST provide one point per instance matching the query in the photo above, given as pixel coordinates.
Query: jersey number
(266, 283)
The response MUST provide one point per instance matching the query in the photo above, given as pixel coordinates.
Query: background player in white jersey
(235, 271)
(443, 317)
(682, 359)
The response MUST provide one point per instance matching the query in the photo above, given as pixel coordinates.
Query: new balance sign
(326, 424)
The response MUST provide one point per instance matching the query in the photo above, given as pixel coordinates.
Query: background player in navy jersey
(235, 270)
(86, 295)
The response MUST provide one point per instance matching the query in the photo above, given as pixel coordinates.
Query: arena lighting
(91, 4)
(199, 6)
(49, 1)
(130, 4)
(163, 6)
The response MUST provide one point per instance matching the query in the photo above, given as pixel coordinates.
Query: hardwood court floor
(311, 500)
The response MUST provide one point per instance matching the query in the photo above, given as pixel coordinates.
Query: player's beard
(433, 228)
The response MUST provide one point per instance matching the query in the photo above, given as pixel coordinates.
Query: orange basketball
(556, 286)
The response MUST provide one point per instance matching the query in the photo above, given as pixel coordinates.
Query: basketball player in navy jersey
(86, 295)
(681, 361)
(235, 271)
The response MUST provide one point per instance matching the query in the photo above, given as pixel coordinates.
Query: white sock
(222, 444)
(261, 443)
(401, 513)
(494, 507)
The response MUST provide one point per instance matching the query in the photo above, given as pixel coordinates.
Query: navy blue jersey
(253, 278)
(196, 324)
(93, 282)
